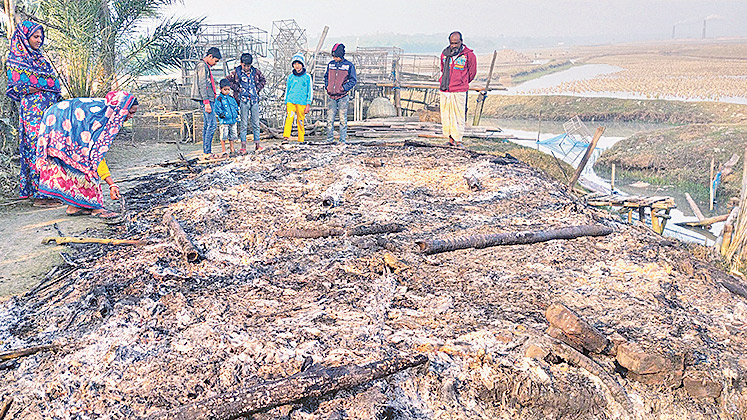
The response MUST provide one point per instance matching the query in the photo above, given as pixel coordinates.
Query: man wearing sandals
(458, 68)
(204, 92)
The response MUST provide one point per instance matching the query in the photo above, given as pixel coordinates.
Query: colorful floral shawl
(79, 131)
(27, 67)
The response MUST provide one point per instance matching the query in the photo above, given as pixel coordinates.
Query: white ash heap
(300, 310)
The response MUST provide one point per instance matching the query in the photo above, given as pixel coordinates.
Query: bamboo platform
(659, 207)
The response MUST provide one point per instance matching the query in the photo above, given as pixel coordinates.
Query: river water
(526, 133)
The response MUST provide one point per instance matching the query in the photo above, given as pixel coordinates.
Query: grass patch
(681, 157)
(562, 108)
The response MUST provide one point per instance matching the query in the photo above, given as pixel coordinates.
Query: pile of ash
(289, 286)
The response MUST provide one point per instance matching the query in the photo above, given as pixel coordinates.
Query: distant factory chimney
(673, 26)
(704, 27)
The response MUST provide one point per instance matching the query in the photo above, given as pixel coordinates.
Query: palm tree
(102, 44)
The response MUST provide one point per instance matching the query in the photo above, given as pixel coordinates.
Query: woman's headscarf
(79, 131)
(27, 67)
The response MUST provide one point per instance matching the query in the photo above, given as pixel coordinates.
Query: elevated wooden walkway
(659, 207)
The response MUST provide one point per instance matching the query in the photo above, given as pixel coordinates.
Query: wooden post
(318, 48)
(710, 186)
(742, 191)
(466, 103)
(694, 207)
(586, 157)
(612, 180)
(10, 13)
(728, 231)
(484, 94)
(396, 88)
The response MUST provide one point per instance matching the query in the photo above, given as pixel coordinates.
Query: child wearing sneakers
(228, 112)
(298, 94)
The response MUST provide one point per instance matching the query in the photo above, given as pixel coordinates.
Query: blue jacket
(227, 109)
(339, 78)
(298, 89)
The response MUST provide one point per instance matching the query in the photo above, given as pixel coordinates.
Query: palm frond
(162, 49)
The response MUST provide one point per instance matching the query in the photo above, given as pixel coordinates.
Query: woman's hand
(307, 109)
(114, 192)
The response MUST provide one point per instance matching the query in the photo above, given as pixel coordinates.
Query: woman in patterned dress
(74, 137)
(31, 82)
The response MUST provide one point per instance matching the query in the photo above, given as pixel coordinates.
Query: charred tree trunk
(374, 229)
(310, 384)
(512, 238)
(360, 230)
(184, 242)
(28, 351)
(310, 233)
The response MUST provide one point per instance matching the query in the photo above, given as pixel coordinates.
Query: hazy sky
(619, 19)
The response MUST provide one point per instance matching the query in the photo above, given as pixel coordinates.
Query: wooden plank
(483, 94)
(694, 207)
(586, 157)
(705, 222)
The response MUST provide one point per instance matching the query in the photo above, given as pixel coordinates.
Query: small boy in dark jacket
(228, 112)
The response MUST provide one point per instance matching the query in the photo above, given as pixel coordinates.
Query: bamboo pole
(484, 94)
(396, 88)
(317, 49)
(728, 231)
(710, 188)
(740, 226)
(10, 13)
(586, 157)
(705, 222)
(61, 240)
(694, 207)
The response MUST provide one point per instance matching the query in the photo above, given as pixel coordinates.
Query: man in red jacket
(458, 68)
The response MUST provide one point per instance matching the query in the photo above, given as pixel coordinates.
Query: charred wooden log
(332, 197)
(28, 351)
(374, 229)
(61, 240)
(6, 406)
(183, 241)
(360, 230)
(735, 288)
(512, 238)
(576, 358)
(574, 331)
(312, 383)
(310, 233)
